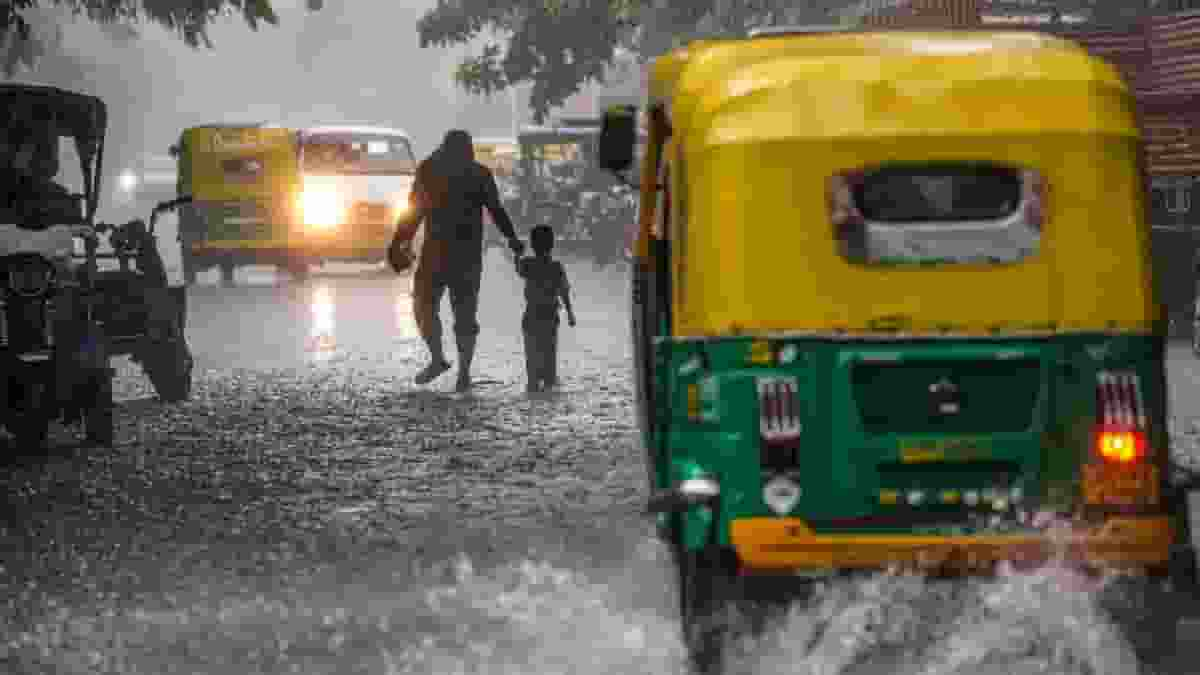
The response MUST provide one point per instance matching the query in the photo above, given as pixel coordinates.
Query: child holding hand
(546, 286)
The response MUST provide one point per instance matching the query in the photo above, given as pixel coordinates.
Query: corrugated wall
(926, 14)
(1160, 59)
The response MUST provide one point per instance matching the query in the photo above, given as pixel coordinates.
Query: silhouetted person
(546, 286)
(450, 192)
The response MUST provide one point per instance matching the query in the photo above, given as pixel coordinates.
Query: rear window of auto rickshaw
(937, 213)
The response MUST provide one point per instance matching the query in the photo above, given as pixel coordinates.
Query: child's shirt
(545, 283)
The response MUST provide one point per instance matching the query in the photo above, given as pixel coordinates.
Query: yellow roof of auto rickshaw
(844, 84)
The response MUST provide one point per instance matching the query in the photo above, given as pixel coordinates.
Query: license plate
(1117, 484)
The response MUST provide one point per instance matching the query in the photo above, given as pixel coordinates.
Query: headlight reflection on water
(406, 320)
(321, 338)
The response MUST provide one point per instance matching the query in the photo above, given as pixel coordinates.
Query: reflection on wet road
(312, 511)
(322, 338)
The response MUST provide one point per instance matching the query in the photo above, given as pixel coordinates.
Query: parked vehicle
(877, 330)
(60, 316)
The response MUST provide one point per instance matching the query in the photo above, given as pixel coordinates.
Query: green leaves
(187, 18)
(560, 45)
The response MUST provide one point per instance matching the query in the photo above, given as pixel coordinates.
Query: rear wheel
(297, 269)
(32, 424)
(706, 607)
(1147, 611)
(169, 365)
(99, 422)
(723, 615)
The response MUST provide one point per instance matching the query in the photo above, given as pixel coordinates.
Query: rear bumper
(778, 544)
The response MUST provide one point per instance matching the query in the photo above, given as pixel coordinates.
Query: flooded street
(312, 511)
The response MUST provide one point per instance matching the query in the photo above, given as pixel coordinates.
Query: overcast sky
(355, 61)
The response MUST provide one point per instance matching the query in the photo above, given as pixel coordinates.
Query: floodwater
(311, 511)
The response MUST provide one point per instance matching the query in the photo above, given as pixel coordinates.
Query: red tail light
(1121, 446)
(1121, 416)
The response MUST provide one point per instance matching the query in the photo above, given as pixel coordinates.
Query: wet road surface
(312, 511)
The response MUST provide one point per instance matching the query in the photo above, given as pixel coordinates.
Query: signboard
(1172, 42)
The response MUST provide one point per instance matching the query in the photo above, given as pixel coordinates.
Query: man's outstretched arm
(499, 214)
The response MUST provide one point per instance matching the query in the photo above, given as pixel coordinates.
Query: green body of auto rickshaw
(893, 310)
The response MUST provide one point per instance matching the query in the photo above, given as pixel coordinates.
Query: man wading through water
(449, 193)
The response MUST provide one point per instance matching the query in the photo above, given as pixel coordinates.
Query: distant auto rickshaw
(294, 198)
(892, 308)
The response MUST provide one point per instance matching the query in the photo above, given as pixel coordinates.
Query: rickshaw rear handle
(674, 501)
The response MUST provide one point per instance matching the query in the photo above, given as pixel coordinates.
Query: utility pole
(721, 9)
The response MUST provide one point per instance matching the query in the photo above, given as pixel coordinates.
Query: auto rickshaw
(892, 309)
(62, 315)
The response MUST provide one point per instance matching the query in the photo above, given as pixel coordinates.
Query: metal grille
(1119, 399)
(924, 14)
(779, 408)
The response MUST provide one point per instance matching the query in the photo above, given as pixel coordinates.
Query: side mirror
(618, 136)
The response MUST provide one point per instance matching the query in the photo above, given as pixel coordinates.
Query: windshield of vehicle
(938, 213)
(42, 177)
(357, 154)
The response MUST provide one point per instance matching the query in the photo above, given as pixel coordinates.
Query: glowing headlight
(321, 209)
(128, 180)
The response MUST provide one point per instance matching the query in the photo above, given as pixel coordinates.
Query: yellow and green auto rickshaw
(290, 197)
(893, 309)
(243, 179)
